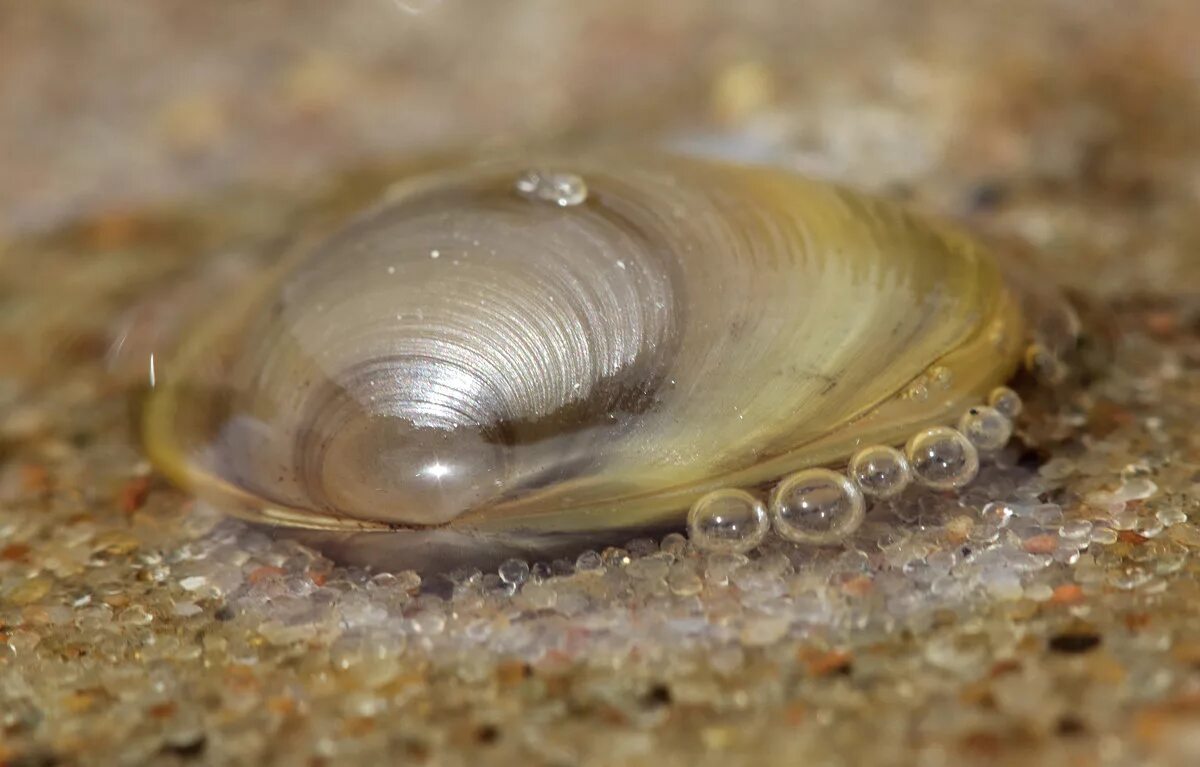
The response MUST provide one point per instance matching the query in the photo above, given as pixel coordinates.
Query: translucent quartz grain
(589, 561)
(514, 571)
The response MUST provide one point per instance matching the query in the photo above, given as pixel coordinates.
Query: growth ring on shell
(486, 364)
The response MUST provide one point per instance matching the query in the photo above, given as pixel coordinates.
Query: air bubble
(986, 427)
(816, 506)
(728, 520)
(1045, 365)
(1006, 401)
(918, 391)
(880, 471)
(940, 377)
(563, 189)
(942, 458)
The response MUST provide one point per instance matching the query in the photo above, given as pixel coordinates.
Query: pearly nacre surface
(482, 360)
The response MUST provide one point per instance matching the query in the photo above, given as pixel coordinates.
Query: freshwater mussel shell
(489, 372)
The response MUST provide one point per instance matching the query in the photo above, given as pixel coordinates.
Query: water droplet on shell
(562, 189)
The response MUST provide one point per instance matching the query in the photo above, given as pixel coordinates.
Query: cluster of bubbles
(820, 506)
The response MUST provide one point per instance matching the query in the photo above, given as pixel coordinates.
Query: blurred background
(107, 105)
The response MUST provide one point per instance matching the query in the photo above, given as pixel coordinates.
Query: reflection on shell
(479, 357)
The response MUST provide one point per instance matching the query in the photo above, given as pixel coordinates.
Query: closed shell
(500, 366)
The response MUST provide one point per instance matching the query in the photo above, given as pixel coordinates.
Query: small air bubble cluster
(822, 507)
